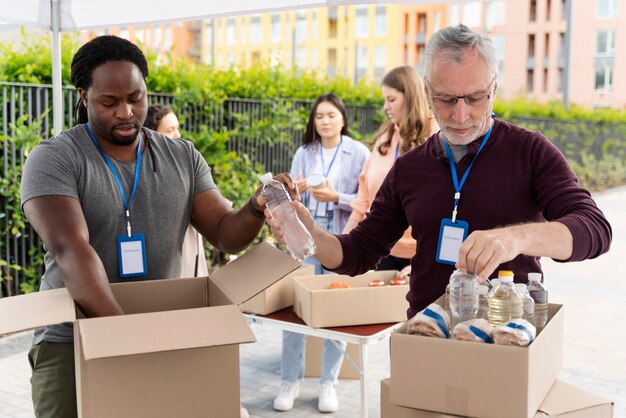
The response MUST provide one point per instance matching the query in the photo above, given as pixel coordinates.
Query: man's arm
(60, 223)
(483, 251)
(225, 228)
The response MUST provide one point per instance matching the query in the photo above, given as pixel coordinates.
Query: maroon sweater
(518, 177)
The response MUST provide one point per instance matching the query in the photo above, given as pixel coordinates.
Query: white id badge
(451, 236)
(131, 255)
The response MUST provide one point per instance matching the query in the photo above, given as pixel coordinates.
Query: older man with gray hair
(480, 195)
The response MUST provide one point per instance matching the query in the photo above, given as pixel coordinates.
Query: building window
(559, 81)
(158, 37)
(605, 44)
(361, 27)
(546, 53)
(124, 33)
(533, 10)
(300, 58)
(256, 33)
(472, 11)
(421, 23)
(530, 81)
(332, 23)
(314, 26)
(300, 26)
(604, 78)
(274, 57)
(564, 9)
(231, 32)
(380, 58)
(139, 35)
(168, 38)
(606, 9)
(545, 80)
(361, 61)
(332, 62)
(498, 42)
(531, 46)
(276, 28)
(381, 21)
(548, 9)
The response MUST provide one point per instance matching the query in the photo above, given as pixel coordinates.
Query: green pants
(53, 381)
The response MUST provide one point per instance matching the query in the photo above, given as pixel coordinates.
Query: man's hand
(303, 214)
(483, 251)
(258, 199)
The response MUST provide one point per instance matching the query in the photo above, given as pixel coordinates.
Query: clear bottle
(528, 303)
(299, 241)
(494, 283)
(505, 303)
(539, 294)
(483, 305)
(463, 295)
(446, 299)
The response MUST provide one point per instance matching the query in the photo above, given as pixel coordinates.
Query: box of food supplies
(278, 296)
(476, 379)
(563, 401)
(333, 300)
(175, 353)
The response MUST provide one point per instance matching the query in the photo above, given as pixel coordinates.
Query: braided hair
(97, 52)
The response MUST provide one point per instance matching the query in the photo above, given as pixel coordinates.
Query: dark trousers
(53, 381)
(393, 263)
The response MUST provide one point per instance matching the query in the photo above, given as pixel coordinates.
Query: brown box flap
(564, 397)
(162, 331)
(253, 272)
(34, 310)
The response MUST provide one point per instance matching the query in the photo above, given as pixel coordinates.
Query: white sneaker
(328, 399)
(244, 413)
(288, 393)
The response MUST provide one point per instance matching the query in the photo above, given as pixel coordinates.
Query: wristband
(257, 213)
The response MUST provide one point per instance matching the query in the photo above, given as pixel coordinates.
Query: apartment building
(530, 36)
(356, 41)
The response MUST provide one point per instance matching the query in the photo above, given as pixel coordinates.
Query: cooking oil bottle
(505, 303)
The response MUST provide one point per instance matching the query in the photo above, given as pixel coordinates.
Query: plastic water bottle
(463, 295)
(505, 303)
(540, 295)
(528, 303)
(483, 304)
(299, 241)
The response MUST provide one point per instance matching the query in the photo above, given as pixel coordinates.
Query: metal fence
(32, 101)
(274, 149)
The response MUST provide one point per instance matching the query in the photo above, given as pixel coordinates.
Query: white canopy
(70, 15)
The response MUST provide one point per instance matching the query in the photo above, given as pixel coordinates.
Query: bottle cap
(534, 277)
(505, 274)
(266, 178)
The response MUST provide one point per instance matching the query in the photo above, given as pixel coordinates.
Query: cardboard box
(176, 351)
(313, 359)
(320, 307)
(278, 296)
(563, 401)
(480, 380)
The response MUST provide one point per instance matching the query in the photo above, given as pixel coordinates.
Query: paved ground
(593, 292)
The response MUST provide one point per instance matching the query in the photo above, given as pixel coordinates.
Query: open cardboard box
(176, 351)
(563, 401)
(472, 379)
(278, 296)
(320, 307)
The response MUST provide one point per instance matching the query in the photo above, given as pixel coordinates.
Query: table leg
(363, 352)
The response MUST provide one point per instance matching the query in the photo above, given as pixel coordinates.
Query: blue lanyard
(396, 156)
(317, 204)
(117, 178)
(331, 161)
(455, 179)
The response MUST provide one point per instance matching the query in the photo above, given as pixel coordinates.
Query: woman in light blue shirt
(326, 169)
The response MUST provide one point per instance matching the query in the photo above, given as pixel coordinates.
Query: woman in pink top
(410, 124)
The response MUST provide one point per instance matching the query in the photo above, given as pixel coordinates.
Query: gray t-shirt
(172, 172)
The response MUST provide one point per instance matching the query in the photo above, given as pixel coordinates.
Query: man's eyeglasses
(474, 99)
